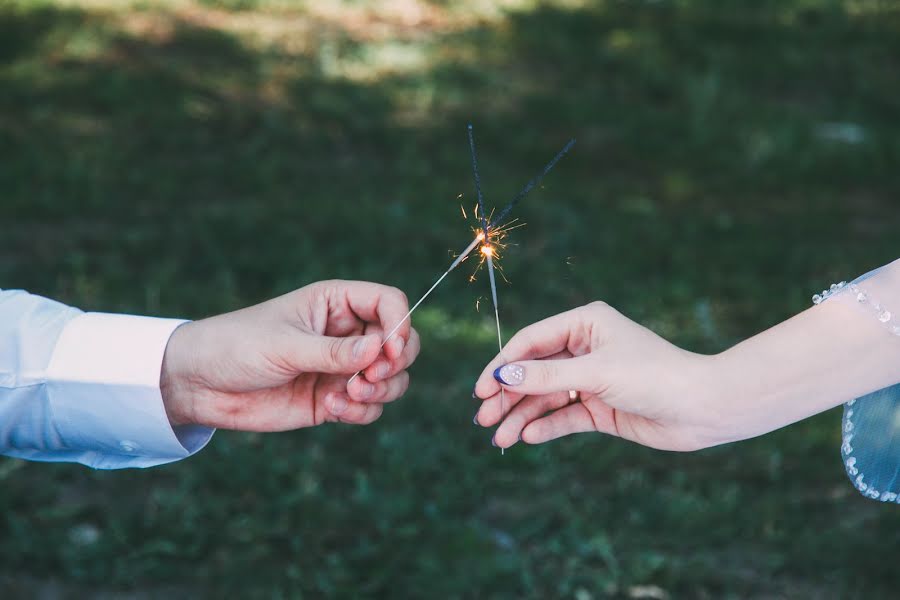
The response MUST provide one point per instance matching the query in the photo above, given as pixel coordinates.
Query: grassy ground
(184, 158)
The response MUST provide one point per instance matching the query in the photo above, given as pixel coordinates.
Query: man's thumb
(337, 355)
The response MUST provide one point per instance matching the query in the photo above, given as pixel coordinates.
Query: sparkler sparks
(495, 246)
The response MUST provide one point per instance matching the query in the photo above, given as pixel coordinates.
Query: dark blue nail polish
(475, 419)
(474, 395)
(497, 375)
(493, 443)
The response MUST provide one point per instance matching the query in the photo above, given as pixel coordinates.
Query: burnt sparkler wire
(481, 212)
(528, 186)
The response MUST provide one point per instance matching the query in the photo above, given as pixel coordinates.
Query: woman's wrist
(815, 361)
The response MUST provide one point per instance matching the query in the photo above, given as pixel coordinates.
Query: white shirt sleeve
(84, 387)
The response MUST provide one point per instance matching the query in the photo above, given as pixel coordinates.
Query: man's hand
(284, 364)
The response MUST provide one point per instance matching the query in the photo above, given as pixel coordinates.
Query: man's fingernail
(400, 345)
(359, 348)
(382, 370)
(338, 404)
(510, 374)
(366, 389)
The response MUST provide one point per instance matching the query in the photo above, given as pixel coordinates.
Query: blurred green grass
(186, 158)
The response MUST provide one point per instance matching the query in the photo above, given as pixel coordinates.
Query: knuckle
(600, 310)
(332, 353)
(413, 346)
(548, 372)
(404, 382)
(373, 414)
(598, 306)
(525, 339)
(399, 385)
(399, 294)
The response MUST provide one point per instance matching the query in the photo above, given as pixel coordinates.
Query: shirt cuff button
(128, 446)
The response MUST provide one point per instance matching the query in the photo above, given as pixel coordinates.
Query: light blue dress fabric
(109, 418)
(870, 445)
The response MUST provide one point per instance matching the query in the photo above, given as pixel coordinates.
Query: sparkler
(493, 232)
(490, 236)
(487, 250)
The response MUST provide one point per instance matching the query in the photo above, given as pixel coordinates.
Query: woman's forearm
(827, 355)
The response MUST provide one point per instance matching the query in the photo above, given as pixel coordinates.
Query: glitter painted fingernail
(510, 374)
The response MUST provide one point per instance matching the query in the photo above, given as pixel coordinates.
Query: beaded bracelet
(862, 297)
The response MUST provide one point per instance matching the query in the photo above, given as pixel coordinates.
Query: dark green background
(187, 158)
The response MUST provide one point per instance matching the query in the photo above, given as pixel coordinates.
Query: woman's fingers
(545, 338)
(531, 377)
(490, 412)
(574, 418)
(494, 408)
(526, 411)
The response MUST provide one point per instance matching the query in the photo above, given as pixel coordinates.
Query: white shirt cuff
(103, 382)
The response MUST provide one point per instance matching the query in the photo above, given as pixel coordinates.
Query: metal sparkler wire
(490, 262)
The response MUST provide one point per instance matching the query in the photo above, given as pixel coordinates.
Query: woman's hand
(632, 384)
(284, 364)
